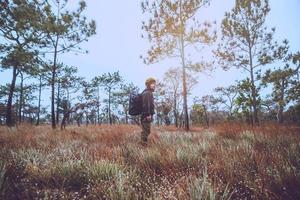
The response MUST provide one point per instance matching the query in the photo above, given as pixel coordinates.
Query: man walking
(147, 109)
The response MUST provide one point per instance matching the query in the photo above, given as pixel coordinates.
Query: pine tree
(64, 31)
(19, 29)
(173, 28)
(247, 44)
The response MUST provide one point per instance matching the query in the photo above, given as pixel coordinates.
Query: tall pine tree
(247, 44)
(172, 28)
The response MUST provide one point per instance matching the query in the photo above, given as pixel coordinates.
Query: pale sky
(118, 43)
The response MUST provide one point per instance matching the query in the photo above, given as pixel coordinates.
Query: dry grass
(228, 161)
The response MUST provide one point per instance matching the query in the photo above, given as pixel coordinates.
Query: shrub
(201, 189)
(104, 170)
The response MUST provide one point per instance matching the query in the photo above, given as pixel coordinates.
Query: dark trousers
(146, 130)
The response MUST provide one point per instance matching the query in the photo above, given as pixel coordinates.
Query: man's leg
(146, 128)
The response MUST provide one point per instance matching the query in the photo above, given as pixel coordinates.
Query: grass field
(108, 162)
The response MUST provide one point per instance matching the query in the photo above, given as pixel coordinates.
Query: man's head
(150, 83)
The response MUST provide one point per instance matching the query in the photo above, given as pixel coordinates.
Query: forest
(67, 136)
(34, 37)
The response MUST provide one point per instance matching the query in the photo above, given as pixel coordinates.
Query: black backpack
(135, 103)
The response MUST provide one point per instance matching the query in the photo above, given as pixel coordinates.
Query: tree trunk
(53, 79)
(21, 98)
(230, 115)
(109, 111)
(175, 118)
(185, 106)
(57, 102)
(98, 105)
(182, 54)
(206, 115)
(175, 111)
(280, 115)
(253, 91)
(64, 119)
(9, 119)
(78, 122)
(39, 102)
(126, 116)
(254, 102)
(281, 104)
(157, 115)
(87, 119)
(52, 98)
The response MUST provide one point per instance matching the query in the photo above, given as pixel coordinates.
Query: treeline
(34, 34)
(104, 99)
(232, 103)
(246, 43)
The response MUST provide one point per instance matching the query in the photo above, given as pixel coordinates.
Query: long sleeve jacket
(147, 103)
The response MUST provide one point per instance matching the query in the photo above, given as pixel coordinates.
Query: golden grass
(227, 161)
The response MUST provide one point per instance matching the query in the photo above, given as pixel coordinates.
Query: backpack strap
(144, 91)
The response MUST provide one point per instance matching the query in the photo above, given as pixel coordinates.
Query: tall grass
(229, 161)
(2, 177)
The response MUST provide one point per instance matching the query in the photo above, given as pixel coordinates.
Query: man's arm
(146, 106)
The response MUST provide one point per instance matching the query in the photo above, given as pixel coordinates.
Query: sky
(118, 44)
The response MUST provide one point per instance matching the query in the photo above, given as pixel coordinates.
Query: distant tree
(293, 113)
(67, 110)
(64, 31)
(41, 76)
(29, 110)
(244, 100)
(25, 99)
(166, 109)
(294, 92)
(172, 88)
(285, 85)
(96, 83)
(3, 93)
(71, 84)
(20, 32)
(227, 97)
(68, 83)
(209, 104)
(17, 59)
(3, 101)
(269, 108)
(198, 115)
(280, 80)
(246, 44)
(87, 96)
(296, 60)
(163, 104)
(110, 82)
(21, 95)
(172, 29)
(2, 113)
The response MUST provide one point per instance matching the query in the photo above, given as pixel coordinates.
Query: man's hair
(150, 80)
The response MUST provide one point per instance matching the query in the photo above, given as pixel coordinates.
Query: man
(147, 109)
